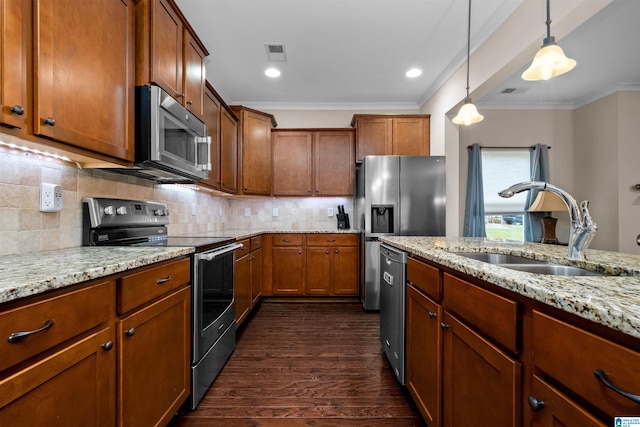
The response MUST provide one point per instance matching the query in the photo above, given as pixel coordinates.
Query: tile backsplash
(23, 228)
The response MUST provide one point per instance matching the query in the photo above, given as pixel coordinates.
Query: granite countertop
(23, 275)
(613, 301)
(240, 233)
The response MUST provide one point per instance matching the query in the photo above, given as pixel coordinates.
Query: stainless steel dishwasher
(393, 264)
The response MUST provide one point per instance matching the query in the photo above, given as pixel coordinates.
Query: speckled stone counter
(23, 275)
(247, 233)
(613, 301)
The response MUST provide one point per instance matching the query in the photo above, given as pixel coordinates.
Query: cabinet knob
(444, 325)
(337, 251)
(50, 121)
(535, 404)
(189, 102)
(17, 109)
(327, 252)
(300, 252)
(107, 345)
(433, 315)
(130, 332)
(179, 95)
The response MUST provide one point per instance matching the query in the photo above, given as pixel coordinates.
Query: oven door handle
(208, 256)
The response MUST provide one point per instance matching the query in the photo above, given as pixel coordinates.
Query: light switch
(275, 212)
(329, 211)
(247, 211)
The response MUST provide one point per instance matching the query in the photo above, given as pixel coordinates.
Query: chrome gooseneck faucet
(582, 226)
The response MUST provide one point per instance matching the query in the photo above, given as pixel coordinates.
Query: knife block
(343, 221)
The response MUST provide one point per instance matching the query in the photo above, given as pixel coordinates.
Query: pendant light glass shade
(550, 61)
(468, 114)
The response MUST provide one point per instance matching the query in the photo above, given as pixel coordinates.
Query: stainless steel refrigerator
(395, 195)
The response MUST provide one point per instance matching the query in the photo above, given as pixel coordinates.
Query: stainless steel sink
(500, 258)
(553, 269)
(515, 262)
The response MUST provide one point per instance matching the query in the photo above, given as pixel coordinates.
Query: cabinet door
(211, 118)
(256, 276)
(480, 381)
(256, 154)
(166, 49)
(228, 152)
(84, 74)
(292, 163)
(346, 262)
(193, 76)
(424, 355)
(552, 408)
(334, 163)
(319, 271)
(288, 270)
(374, 136)
(154, 356)
(242, 287)
(75, 386)
(411, 136)
(15, 24)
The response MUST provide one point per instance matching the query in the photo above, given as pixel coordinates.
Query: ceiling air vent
(276, 52)
(514, 90)
(509, 90)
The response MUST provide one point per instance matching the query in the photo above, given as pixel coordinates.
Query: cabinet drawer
(288, 239)
(571, 356)
(425, 277)
(495, 316)
(71, 313)
(332, 239)
(138, 288)
(256, 243)
(244, 250)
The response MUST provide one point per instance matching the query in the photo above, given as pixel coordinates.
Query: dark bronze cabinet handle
(18, 336)
(444, 325)
(286, 240)
(331, 240)
(130, 332)
(107, 345)
(535, 404)
(603, 377)
(17, 109)
(433, 314)
(50, 121)
(163, 280)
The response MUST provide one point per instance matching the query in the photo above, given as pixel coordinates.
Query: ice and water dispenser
(382, 219)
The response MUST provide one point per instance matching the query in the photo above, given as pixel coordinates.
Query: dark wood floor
(306, 364)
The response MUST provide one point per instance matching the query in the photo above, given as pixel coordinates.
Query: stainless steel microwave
(171, 144)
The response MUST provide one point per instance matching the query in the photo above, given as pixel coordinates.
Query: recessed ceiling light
(414, 72)
(272, 72)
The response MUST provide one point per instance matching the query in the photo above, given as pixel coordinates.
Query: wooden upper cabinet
(15, 27)
(211, 116)
(405, 135)
(228, 152)
(254, 142)
(334, 162)
(169, 54)
(292, 167)
(313, 162)
(83, 74)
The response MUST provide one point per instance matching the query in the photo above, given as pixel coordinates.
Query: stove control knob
(109, 210)
(159, 212)
(122, 210)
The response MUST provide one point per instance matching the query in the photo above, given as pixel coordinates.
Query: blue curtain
(539, 172)
(474, 209)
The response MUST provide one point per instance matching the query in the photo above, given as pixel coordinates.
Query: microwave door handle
(204, 163)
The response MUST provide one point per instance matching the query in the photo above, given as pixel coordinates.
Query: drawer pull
(163, 280)
(130, 332)
(433, 314)
(107, 345)
(331, 240)
(286, 240)
(536, 404)
(603, 377)
(19, 336)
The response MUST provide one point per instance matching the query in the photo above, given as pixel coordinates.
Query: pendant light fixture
(468, 113)
(550, 61)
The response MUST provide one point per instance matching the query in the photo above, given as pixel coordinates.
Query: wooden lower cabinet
(242, 282)
(423, 354)
(256, 276)
(154, 352)
(288, 270)
(482, 384)
(551, 408)
(74, 386)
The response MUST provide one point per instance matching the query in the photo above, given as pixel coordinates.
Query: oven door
(212, 298)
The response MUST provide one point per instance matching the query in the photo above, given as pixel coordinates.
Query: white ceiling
(352, 54)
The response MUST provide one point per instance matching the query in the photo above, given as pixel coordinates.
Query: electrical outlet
(50, 198)
(329, 211)
(275, 212)
(247, 211)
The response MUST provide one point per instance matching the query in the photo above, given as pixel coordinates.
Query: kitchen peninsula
(507, 346)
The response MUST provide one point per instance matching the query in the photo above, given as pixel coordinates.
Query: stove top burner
(200, 243)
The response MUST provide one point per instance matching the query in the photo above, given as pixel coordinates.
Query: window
(502, 168)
